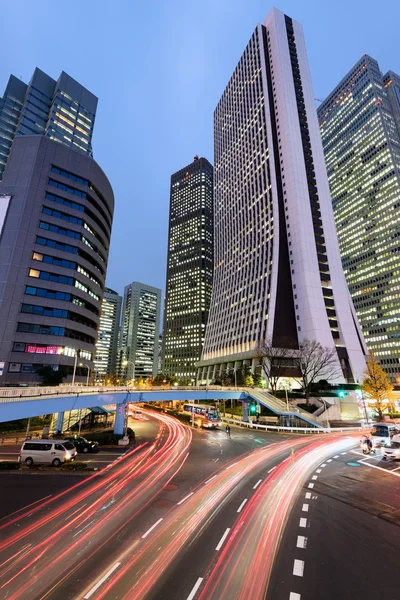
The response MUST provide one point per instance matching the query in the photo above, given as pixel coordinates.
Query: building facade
(53, 258)
(62, 110)
(277, 268)
(359, 124)
(189, 268)
(107, 340)
(140, 330)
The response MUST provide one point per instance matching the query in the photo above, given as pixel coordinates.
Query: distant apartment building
(189, 268)
(277, 269)
(360, 129)
(56, 212)
(140, 330)
(107, 341)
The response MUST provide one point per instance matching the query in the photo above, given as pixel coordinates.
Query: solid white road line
(380, 468)
(294, 596)
(305, 507)
(311, 485)
(151, 528)
(221, 541)
(298, 567)
(194, 590)
(308, 495)
(208, 480)
(257, 484)
(301, 541)
(102, 580)
(185, 498)
(314, 477)
(270, 471)
(303, 522)
(241, 506)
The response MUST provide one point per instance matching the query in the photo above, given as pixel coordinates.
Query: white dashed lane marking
(305, 507)
(294, 596)
(298, 567)
(310, 485)
(303, 522)
(314, 477)
(308, 495)
(301, 541)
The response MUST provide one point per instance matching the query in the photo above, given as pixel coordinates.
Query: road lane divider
(303, 522)
(257, 484)
(314, 477)
(311, 485)
(195, 588)
(208, 480)
(301, 541)
(185, 498)
(242, 505)
(305, 507)
(298, 567)
(294, 596)
(270, 471)
(221, 541)
(101, 581)
(151, 528)
(308, 495)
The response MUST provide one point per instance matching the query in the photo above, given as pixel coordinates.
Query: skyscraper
(61, 110)
(107, 341)
(56, 211)
(189, 267)
(277, 269)
(362, 151)
(140, 330)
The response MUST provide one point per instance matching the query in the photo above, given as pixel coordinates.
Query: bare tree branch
(316, 362)
(273, 361)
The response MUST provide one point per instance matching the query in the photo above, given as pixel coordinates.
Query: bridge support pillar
(119, 419)
(60, 422)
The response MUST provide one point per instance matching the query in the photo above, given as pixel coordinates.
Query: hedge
(8, 465)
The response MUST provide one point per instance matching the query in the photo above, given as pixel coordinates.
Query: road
(210, 518)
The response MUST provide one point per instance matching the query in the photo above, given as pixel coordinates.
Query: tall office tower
(56, 211)
(61, 110)
(277, 269)
(362, 153)
(140, 330)
(189, 267)
(107, 341)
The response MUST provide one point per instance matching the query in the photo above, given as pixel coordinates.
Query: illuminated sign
(4, 202)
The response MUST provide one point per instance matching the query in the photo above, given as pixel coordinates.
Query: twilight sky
(159, 69)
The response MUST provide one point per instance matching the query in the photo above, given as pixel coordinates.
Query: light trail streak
(133, 482)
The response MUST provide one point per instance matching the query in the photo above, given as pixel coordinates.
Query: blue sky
(159, 69)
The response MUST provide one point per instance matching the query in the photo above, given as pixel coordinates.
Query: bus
(204, 416)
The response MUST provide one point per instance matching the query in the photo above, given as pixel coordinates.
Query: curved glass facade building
(277, 268)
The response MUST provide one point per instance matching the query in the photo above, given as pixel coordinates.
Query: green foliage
(50, 376)
(248, 381)
(376, 385)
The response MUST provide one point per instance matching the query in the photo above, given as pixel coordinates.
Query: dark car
(83, 445)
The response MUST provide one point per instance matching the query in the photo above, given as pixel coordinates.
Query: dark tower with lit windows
(189, 268)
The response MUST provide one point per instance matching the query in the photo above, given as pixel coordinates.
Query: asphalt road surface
(195, 515)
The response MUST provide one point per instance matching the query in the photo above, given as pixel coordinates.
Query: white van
(382, 433)
(47, 452)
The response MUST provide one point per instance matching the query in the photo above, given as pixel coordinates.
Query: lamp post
(76, 360)
(88, 372)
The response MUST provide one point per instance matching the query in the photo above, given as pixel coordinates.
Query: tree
(50, 376)
(376, 384)
(273, 361)
(315, 362)
(248, 381)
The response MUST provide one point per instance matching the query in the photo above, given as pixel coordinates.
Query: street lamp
(76, 360)
(88, 372)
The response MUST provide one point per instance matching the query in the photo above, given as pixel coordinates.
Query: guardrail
(307, 430)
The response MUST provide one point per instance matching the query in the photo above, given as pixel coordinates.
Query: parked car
(47, 452)
(391, 451)
(83, 445)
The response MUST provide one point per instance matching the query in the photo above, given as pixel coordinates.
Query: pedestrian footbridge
(21, 403)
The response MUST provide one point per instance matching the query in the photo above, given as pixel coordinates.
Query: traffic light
(341, 393)
(253, 408)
